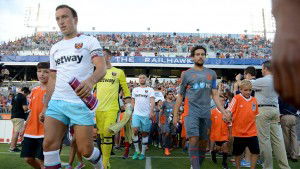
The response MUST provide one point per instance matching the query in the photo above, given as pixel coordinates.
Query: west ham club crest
(78, 45)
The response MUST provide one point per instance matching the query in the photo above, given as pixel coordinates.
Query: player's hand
(128, 106)
(227, 116)
(42, 117)
(85, 88)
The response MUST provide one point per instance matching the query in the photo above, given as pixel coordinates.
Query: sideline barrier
(6, 130)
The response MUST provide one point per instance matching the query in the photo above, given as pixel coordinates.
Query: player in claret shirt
(74, 56)
(144, 102)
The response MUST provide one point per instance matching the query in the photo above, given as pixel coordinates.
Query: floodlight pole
(264, 24)
(37, 19)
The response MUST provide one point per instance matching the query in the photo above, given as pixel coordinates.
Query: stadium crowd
(133, 44)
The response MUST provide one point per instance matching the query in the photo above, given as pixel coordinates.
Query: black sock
(214, 156)
(98, 140)
(225, 158)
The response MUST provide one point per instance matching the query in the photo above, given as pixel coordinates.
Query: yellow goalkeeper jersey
(108, 89)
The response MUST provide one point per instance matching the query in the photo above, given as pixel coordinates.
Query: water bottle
(90, 101)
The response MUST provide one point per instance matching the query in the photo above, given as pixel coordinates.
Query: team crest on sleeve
(78, 45)
(114, 73)
(146, 91)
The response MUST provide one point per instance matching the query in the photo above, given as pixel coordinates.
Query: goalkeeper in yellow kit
(107, 112)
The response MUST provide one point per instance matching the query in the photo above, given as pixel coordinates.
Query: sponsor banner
(5, 116)
(141, 59)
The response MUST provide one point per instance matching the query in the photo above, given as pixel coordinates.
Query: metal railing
(5, 110)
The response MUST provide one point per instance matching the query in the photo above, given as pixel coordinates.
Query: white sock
(95, 158)
(98, 165)
(136, 143)
(52, 158)
(144, 144)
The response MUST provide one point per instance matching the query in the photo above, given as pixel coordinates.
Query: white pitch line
(148, 163)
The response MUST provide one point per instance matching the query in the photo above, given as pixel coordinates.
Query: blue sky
(210, 16)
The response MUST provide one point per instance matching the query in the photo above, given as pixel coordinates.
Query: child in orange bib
(219, 134)
(244, 109)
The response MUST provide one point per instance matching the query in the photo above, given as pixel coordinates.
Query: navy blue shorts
(240, 144)
(32, 148)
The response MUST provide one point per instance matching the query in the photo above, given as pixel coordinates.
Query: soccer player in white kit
(143, 100)
(74, 56)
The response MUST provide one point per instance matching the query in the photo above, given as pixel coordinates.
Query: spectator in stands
(1, 97)
(18, 116)
(10, 90)
(4, 104)
(157, 44)
(9, 101)
(137, 53)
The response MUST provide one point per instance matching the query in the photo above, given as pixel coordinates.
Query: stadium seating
(151, 44)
